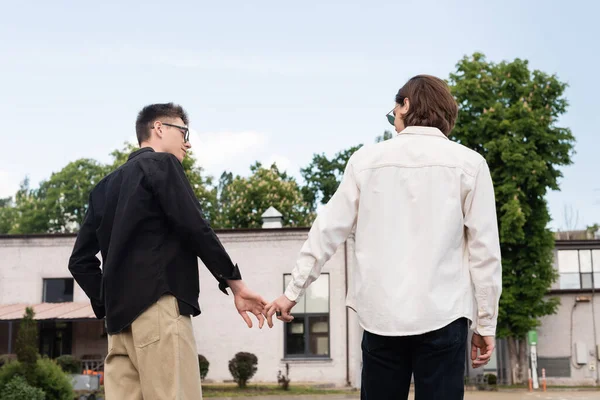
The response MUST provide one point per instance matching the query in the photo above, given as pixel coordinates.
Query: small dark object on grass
(284, 380)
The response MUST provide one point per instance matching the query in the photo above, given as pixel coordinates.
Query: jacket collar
(423, 130)
(140, 151)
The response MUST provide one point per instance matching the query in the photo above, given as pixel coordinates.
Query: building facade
(321, 345)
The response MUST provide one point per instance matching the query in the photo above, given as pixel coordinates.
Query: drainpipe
(595, 336)
(347, 315)
(10, 336)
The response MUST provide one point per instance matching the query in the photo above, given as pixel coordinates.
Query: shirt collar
(140, 151)
(423, 130)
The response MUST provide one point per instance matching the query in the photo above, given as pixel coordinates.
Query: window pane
(568, 261)
(586, 281)
(569, 281)
(294, 332)
(58, 290)
(319, 336)
(597, 280)
(300, 307)
(317, 296)
(596, 260)
(585, 261)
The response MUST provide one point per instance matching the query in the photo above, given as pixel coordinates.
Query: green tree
(323, 176)
(59, 203)
(27, 341)
(386, 136)
(28, 214)
(509, 114)
(65, 195)
(243, 200)
(8, 215)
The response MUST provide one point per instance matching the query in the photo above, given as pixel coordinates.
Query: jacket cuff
(235, 276)
(485, 330)
(293, 292)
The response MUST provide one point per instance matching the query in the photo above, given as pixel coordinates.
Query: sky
(272, 81)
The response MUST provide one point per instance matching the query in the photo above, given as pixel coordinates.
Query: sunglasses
(390, 116)
(185, 131)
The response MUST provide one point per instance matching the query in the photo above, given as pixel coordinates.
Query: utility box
(581, 353)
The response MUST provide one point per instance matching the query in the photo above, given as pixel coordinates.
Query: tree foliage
(509, 114)
(323, 176)
(242, 200)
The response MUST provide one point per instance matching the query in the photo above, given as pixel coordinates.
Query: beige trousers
(155, 358)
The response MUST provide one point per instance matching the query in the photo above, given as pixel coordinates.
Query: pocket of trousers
(372, 342)
(146, 327)
(448, 336)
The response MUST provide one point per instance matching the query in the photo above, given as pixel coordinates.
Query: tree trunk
(524, 360)
(519, 360)
(513, 358)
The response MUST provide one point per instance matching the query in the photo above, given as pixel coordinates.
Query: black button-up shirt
(146, 222)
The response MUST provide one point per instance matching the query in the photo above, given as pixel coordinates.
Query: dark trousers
(436, 359)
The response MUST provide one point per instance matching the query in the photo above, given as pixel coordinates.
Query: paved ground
(553, 395)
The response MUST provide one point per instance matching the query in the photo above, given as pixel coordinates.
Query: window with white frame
(308, 334)
(579, 269)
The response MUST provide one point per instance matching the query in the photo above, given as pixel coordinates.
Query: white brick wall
(263, 257)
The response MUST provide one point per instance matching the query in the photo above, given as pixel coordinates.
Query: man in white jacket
(427, 250)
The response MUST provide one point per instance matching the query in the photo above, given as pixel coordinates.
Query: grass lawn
(231, 390)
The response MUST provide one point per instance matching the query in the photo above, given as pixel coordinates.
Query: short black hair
(151, 113)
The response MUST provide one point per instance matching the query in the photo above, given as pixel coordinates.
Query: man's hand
(282, 306)
(246, 300)
(485, 345)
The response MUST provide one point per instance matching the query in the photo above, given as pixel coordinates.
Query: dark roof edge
(242, 230)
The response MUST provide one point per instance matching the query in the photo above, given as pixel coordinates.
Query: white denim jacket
(427, 246)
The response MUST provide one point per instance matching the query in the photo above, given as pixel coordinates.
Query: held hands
(485, 345)
(246, 300)
(282, 307)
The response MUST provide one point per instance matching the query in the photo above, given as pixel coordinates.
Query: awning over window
(48, 311)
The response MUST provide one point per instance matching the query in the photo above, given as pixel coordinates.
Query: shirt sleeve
(84, 264)
(330, 229)
(177, 199)
(484, 251)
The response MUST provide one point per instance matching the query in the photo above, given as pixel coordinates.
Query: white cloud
(233, 151)
(282, 162)
(9, 184)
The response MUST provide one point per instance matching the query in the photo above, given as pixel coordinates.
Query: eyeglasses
(185, 131)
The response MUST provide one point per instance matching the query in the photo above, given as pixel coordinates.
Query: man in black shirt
(147, 224)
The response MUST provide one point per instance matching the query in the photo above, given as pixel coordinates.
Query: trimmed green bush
(45, 375)
(204, 364)
(69, 364)
(6, 358)
(27, 339)
(492, 379)
(243, 367)
(18, 389)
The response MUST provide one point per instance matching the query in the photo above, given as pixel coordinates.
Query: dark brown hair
(431, 103)
(151, 113)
